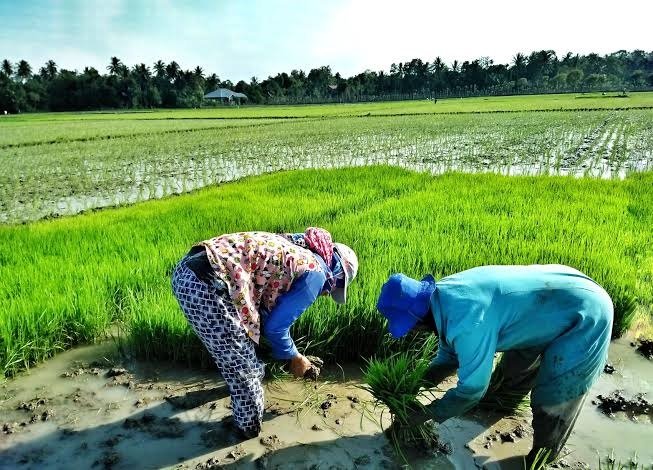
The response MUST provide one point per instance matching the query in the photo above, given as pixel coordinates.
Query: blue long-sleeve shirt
(500, 308)
(289, 306)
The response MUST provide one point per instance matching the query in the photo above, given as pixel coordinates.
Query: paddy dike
(87, 408)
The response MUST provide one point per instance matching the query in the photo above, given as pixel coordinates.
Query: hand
(403, 429)
(299, 365)
(417, 418)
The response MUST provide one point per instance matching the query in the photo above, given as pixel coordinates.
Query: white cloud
(239, 39)
(373, 34)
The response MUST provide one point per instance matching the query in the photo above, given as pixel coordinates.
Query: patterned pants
(214, 319)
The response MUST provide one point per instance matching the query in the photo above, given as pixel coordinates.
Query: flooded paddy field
(61, 167)
(67, 282)
(90, 408)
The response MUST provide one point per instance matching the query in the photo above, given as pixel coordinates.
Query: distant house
(226, 96)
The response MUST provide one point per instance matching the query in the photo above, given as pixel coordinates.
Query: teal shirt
(501, 308)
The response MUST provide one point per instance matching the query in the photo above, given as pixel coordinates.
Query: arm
(288, 308)
(476, 360)
(443, 364)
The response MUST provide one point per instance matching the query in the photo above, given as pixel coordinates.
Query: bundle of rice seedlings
(502, 398)
(397, 383)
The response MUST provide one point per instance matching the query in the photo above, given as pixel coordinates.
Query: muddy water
(88, 409)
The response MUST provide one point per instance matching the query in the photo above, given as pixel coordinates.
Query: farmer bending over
(238, 287)
(553, 322)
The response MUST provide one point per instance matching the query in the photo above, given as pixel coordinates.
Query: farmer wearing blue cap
(552, 322)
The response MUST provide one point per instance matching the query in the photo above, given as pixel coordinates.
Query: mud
(314, 372)
(153, 415)
(616, 402)
(645, 348)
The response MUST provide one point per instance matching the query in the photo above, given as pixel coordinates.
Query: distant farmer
(236, 288)
(553, 322)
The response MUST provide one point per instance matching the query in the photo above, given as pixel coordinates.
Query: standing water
(87, 408)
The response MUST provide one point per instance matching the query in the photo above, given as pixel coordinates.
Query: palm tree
(518, 65)
(24, 71)
(142, 73)
(212, 82)
(199, 73)
(160, 68)
(172, 71)
(519, 60)
(114, 66)
(51, 68)
(7, 68)
(123, 71)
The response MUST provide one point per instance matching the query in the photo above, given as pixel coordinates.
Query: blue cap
(404, 301)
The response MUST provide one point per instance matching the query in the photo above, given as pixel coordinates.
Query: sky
(240, 39)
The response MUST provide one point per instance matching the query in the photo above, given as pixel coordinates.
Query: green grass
(65, 281)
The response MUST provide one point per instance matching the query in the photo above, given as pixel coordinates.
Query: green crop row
(68, 177)
(66, 281)
(486, 104)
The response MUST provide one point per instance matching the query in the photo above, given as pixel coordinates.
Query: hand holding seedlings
(536, 315)
(314, 371)
(299, 365)
(267, 299)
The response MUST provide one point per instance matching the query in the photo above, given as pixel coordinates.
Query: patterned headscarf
(319, 241)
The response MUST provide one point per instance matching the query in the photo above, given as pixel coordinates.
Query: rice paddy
(55, 165)
(68, 281)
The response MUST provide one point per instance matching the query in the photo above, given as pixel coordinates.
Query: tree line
(168, 85)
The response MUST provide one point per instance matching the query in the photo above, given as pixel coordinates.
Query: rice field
(65, 167)
(68, 281)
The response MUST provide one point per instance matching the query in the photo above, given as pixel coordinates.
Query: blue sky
(238, 39)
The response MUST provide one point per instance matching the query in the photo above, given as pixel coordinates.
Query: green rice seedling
(134, 152)
(397, 383)
(503, 399)
(64, 281)
(611, 463)
(540, 460)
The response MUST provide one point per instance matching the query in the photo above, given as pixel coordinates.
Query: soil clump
(616, 402)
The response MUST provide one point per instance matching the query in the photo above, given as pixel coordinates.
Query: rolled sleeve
(443, 364)
(289, 306)
(475, 360)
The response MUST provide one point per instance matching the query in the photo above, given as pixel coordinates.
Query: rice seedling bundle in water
(397, 383)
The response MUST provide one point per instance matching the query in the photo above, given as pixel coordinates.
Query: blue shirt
(554, 308)
(289, 306)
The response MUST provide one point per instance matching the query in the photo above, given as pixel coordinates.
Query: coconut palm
(24, 70)
(212, 82)
(142, 73)
(172, 71)
(51, 68)
(7, 68)
(115, 66)
(199, 73)
(160, 68)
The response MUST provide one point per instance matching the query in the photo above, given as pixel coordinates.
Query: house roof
(225, 93)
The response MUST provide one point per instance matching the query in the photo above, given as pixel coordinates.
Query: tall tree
(24, 70)
(51, 69)
(7, 68)
(160, 69)
(115, 66)
(172, 71)
(212, 82)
